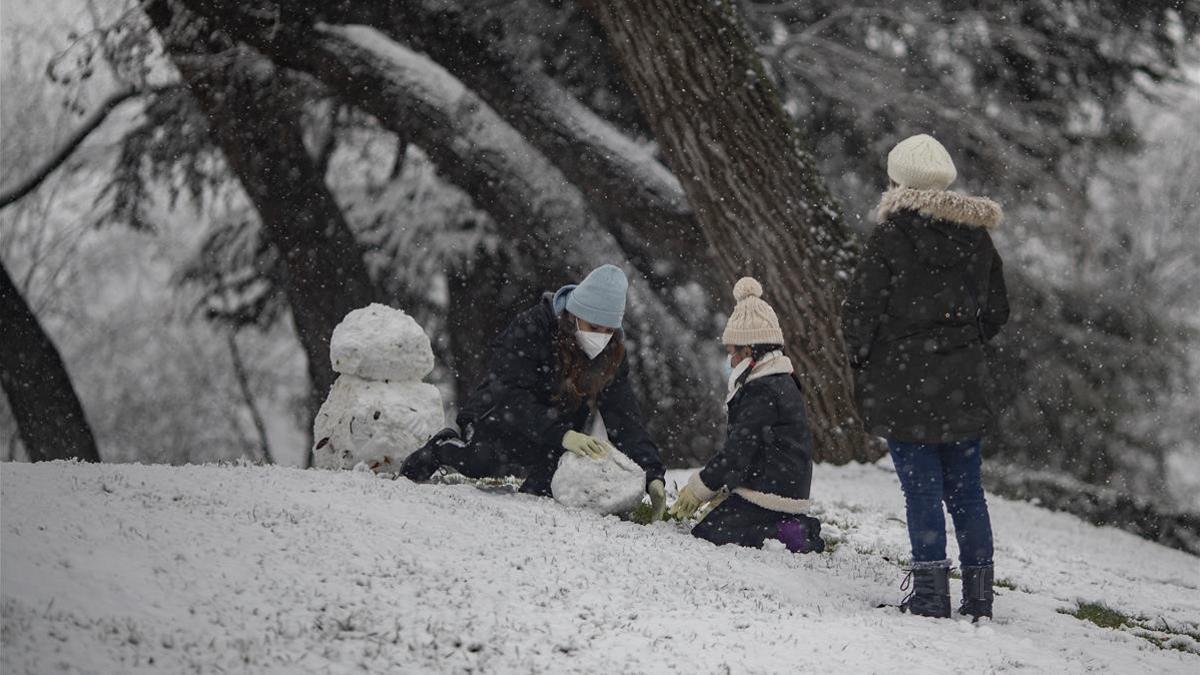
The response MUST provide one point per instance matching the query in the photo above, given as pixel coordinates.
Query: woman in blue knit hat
(556, 367)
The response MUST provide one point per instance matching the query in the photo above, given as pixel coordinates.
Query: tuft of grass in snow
(1163, 636)
(1101, 615)
(643, 515)
(1004, 583)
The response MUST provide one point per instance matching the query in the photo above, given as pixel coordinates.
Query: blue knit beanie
(600, 298)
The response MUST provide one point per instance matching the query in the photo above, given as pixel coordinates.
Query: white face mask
(591, 342)
(736, 371)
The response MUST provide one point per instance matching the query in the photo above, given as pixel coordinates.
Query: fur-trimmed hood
(941, 205)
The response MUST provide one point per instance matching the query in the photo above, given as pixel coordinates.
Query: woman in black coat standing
(927, 294)
(557, 368)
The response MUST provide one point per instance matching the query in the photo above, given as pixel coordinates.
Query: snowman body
(379, 410)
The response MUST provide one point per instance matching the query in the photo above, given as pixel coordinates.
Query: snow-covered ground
(123, 568)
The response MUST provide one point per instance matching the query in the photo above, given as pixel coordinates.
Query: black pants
(737, 521)
(481, 456)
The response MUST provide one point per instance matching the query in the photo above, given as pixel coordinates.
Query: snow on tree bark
(756, 191)
(621, 182)
(639, 199)
(49, 417)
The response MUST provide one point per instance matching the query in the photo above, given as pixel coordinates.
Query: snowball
(774, 545)
(375, 423)
(613, 484)
(377, 342)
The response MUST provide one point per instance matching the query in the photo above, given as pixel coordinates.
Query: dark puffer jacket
(512, 409)
(927, 294)
(767, 456)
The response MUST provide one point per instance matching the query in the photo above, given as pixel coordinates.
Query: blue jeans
(932, 473)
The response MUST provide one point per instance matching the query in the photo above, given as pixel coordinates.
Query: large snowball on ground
(613, 484)
(377, 342)
(374, 422)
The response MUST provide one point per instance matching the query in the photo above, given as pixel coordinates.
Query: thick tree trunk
(254, 117)
(757, 194)
(490, 279)
(49, 418)
(528, 197)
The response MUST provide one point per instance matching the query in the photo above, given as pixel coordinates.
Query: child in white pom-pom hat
(765, 468)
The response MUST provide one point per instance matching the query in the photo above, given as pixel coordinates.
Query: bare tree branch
(93, 122)
(243, 382)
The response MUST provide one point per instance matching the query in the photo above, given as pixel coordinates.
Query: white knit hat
(752, 322)
(921, 163)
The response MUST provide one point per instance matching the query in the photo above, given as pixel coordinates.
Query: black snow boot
(425, 460)
(977, 592)
(930, 594)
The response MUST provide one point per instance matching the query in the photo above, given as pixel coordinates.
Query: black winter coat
(928, 293)
(512, 409)
(769, 445)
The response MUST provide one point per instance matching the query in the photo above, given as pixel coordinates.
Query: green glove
(584, 445)
(685, 504)
(658, 500)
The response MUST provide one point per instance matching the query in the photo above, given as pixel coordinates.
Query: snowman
(378, 411)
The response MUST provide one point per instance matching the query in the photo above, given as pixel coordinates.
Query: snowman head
(380, 343)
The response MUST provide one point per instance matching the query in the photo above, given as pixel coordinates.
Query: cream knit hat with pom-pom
(752, 322)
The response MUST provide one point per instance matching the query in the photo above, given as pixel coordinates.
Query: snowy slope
(122, 568)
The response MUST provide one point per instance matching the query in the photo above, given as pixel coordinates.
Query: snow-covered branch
(93, 122)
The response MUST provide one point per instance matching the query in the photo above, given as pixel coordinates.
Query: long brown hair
(581, 378)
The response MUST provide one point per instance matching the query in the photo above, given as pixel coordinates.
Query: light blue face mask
(727, 366)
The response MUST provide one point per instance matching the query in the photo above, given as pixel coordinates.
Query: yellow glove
(584, 445)
(685, 504)
(658, 500)
(710, 505)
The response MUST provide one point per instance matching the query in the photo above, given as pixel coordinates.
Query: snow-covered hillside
(121, 568)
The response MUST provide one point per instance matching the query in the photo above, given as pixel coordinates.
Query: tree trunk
(757, 194)
(254, 117)
(49, 417)
(486, 280)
